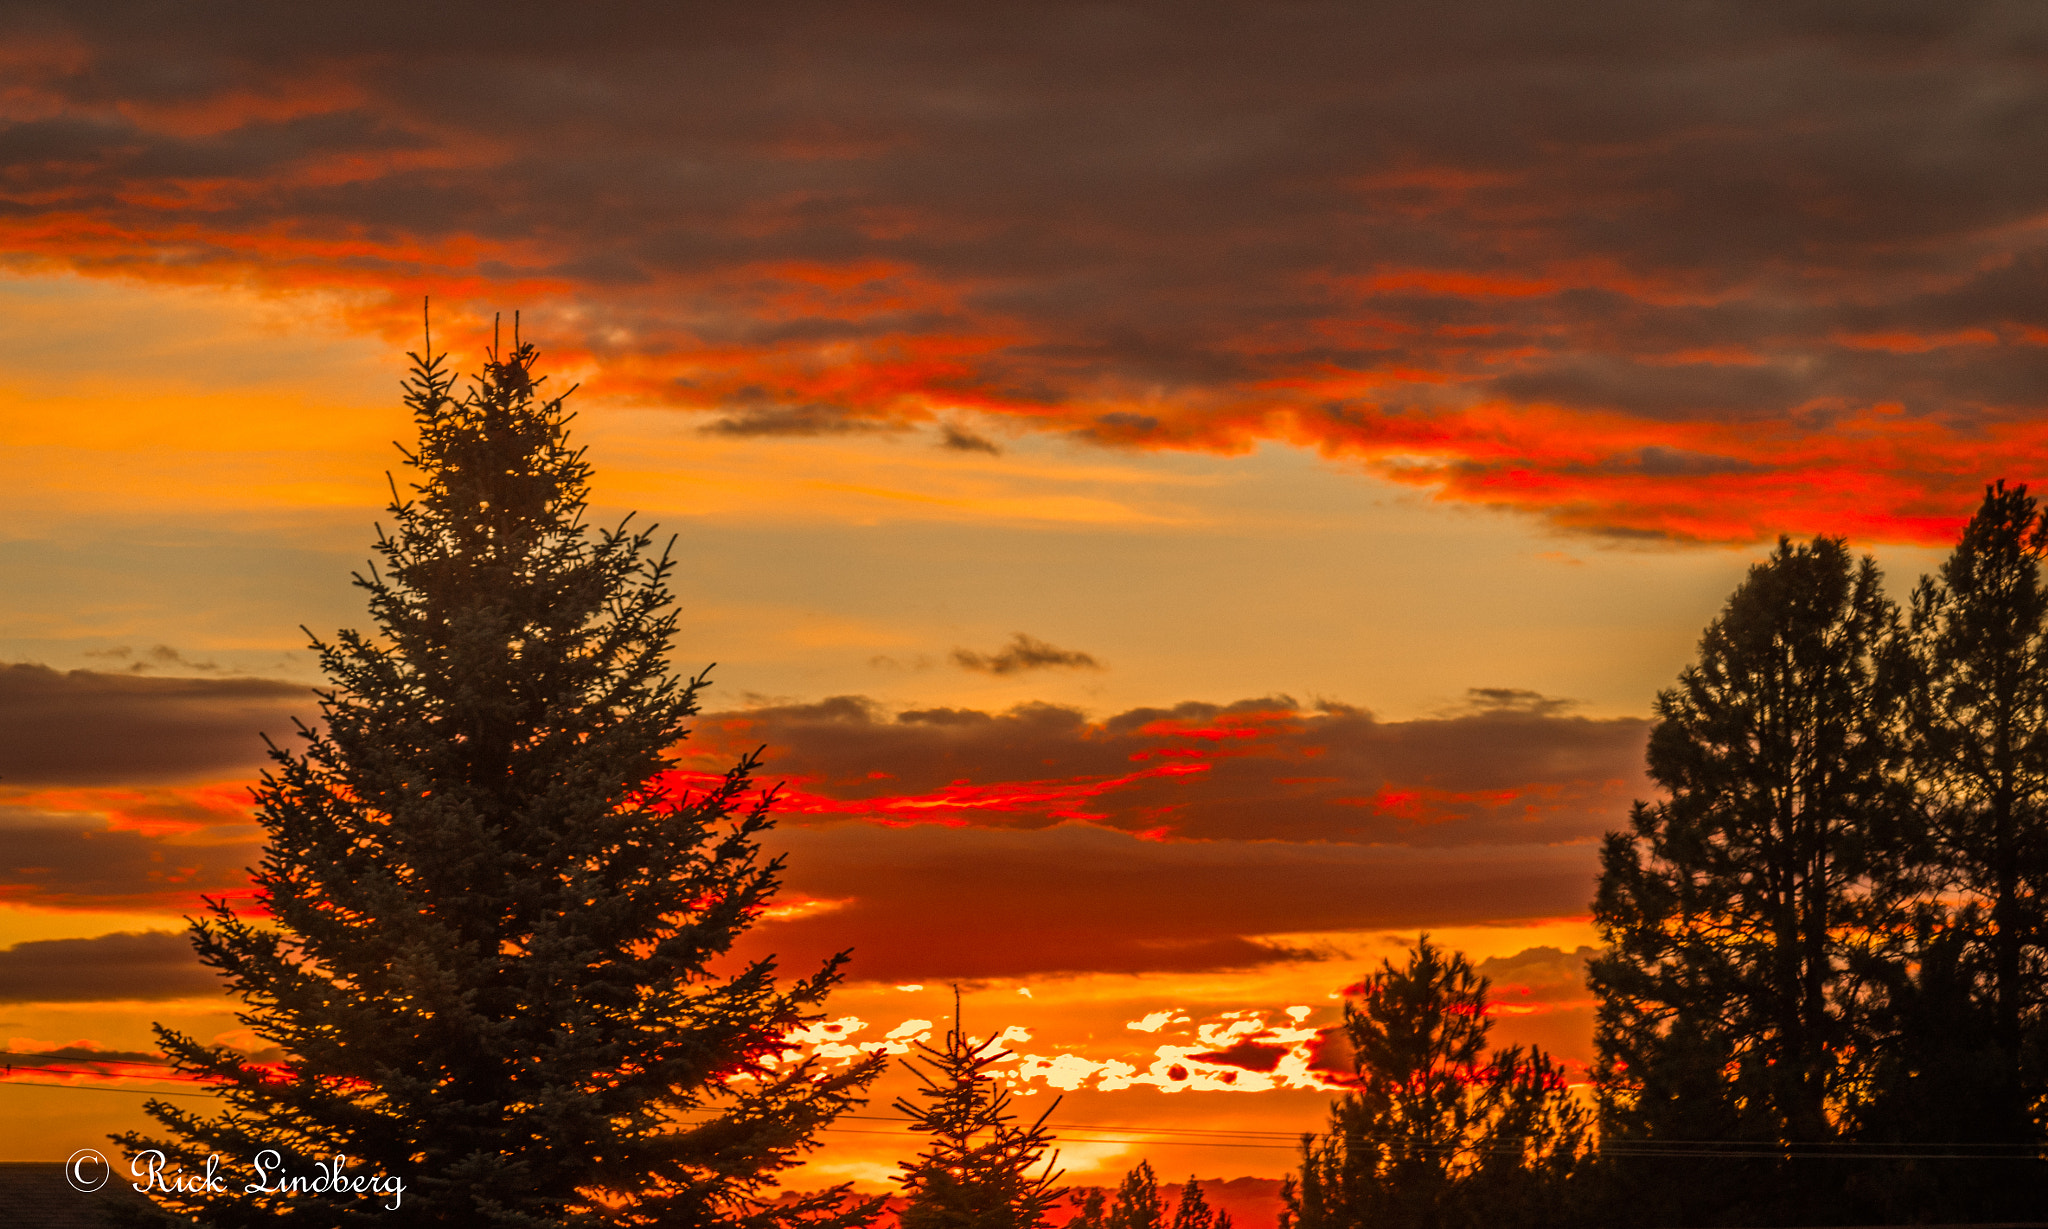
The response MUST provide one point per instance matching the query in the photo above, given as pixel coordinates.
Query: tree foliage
(1192, 1210)
(1735, 911)
(1960, 1052)
(1135, 1205)
(1439, 1130)
(1979, 745)
(1091, 1209)
(1825, 939)
(488, 925)
(977, 1172)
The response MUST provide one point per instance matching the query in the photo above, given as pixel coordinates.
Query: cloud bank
(155, 964)
(1687, 272)
(937, 902)
(1507, 770)
(957, 843)
(85, 727)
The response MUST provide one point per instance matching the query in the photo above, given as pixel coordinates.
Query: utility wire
(1207, 1137)
(1106, 1126)
(1062, 1138)
(147, 1092)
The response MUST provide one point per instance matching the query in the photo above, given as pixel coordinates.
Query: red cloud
(954, 843)
(72, 862)
(1248, 1055)
(1700, 277)
(1511, 769)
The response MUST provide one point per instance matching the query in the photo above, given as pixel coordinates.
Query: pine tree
(490, 921)
(1091, 1210)
(1960, 1047)
(1740, 913)
(1137, 1204)
(1439, 1130)
(977, 1171)
(1192, 1210)
(1980, 754)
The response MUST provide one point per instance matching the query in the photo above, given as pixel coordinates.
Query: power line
(1159, 1135)
(1061, 1138)
(1207, 1137)
(1106, 1126)
(145, 1092)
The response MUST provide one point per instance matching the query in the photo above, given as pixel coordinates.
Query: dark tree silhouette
(1192, 1210)
(1740, 914)
(1137, 1204)
(1980, 743)
(490, 923)
(1091, 1210)
(977, 1171)
(1439, 1130)
(1960, 1052)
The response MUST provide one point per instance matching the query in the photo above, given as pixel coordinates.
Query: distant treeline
(1820, 1000)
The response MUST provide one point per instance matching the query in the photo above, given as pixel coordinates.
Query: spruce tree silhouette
(486, 960)
(1137, 1204)
(1091, 1209)
(976, 1173)
(1192, 1210)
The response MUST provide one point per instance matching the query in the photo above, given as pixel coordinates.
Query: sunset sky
(1189, 495)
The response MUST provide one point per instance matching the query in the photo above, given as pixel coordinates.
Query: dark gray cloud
(1024, 652)
(797, 420)
(1511, 767)
(960, 439)
(1034, 840)
(161, 657)
(151, 964)
(77, 1059)
(71, 862)
(1371, 228)
(83, 727)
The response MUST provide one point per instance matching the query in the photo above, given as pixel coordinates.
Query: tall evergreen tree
(1091, 1210)
(1439, 1130)
(490, 922)
(1137, 1204)
(1961, 1062)
(1980, 744)
(977, 1171)
(1192, 1210)
(1739, 913)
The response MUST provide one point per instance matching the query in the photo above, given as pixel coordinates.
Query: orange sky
(1188, 500)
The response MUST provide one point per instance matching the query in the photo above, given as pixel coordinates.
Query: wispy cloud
(1023, 653)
